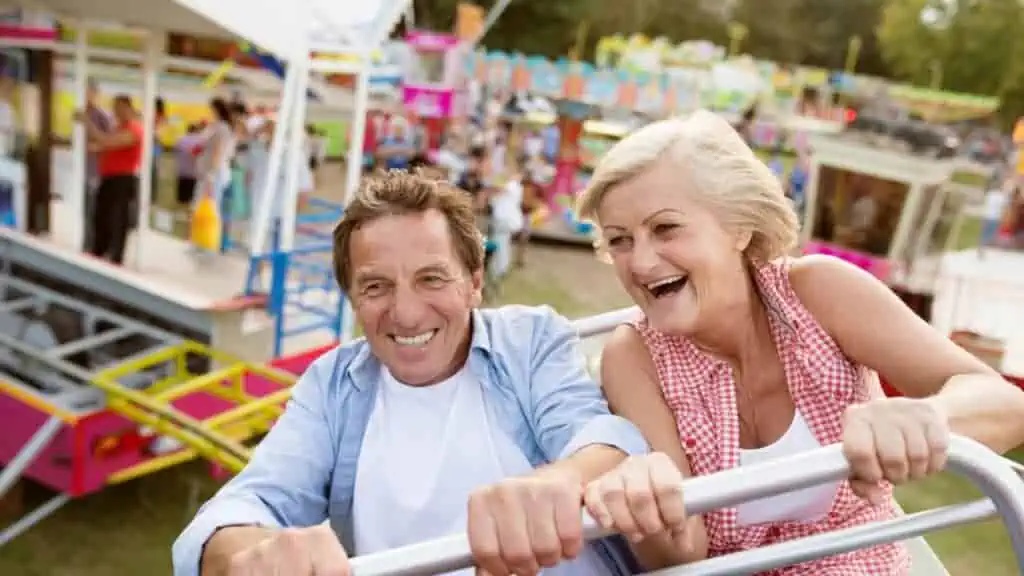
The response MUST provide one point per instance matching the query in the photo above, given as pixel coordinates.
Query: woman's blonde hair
(724, 173)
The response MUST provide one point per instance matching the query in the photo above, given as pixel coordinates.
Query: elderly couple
(448, 418)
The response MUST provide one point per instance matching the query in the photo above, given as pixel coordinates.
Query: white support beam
(386, 23)
(492, 17)
(331, 66)
(155, 45)
(75, 196)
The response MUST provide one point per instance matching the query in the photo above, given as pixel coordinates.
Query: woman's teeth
(418, 340)
(666, 285)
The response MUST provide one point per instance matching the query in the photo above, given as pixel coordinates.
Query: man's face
(124, 111)
(413, 296)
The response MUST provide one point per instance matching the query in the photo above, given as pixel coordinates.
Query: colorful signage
(428, 102)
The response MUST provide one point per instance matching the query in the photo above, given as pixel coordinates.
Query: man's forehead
(412, 243)
(386, 267)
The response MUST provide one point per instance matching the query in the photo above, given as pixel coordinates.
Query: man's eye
(434, 281)
(374, 289)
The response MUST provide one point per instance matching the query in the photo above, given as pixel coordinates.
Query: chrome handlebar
(987, 470)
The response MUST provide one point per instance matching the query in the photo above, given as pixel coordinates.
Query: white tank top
(808, 505)
(425, 450)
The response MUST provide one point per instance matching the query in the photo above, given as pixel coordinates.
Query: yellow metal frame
(219, 438)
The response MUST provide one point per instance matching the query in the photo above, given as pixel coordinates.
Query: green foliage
(973, 49)
(973, 46)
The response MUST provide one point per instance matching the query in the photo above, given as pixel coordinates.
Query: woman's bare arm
(874, 328)
(630, 383)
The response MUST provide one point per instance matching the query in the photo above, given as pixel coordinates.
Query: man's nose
(407, 307)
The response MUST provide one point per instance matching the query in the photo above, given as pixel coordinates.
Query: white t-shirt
(426, 449)
(808, 505)
(533, 146)
(995, 204)
(506, 208)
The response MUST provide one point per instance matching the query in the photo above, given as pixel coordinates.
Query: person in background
(472, 179)
(103, 122)
(396, 151)
(213, 170)
(533, 145)
(185, 156)
(533, 197)
(446, 418)
(507, 217)
(214, 164)
(994, 211)
(159, 119)
(120, 154)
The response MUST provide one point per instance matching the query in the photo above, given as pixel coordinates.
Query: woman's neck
(740, 331)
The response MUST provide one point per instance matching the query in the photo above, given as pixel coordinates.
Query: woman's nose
(643, 258)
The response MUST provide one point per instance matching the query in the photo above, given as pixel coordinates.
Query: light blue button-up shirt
(531, 366)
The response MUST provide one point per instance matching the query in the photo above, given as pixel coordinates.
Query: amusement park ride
(882, 195)
(110, 373)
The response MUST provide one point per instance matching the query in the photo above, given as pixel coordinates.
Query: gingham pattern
(701, 392)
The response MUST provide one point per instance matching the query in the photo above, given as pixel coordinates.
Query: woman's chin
(680, 323)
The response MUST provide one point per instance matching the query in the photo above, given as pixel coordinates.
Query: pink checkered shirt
(700, 390)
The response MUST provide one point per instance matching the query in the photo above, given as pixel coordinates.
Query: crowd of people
(504, 166)
(237, 137)
(448, 417)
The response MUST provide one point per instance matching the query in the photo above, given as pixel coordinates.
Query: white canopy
(353, 26)
(167, 15)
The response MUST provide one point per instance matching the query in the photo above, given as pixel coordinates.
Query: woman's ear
(743, 239)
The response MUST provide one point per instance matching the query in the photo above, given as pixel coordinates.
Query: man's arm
(570, 413)
(285, 484)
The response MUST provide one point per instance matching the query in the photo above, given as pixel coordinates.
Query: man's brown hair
(397, 193)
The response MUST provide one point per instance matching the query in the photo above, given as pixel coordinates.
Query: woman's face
(672, 254)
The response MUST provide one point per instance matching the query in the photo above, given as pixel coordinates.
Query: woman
(218, 149)
(745, 355)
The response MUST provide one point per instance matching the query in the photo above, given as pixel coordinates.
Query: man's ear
(477, 297)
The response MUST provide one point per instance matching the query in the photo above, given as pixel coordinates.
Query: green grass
(979, 549)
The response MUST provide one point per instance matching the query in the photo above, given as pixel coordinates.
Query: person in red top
(120, 154)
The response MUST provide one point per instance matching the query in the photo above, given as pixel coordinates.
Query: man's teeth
(663, 282)
(418, 340)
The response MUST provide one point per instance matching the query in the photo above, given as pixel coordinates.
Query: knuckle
(639, 497)
(240, 562)
(519, 556)
(548, 553)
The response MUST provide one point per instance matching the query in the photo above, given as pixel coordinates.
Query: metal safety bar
(987, 470)
(605, 322)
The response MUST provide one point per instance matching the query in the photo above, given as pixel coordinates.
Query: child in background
(507, 218)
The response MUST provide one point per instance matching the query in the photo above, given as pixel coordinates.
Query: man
(442, 403)
(120, 154)
(99, 118)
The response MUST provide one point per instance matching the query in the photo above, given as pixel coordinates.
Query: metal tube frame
(41, 298)
(987, 470)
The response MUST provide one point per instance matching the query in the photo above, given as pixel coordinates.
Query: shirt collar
(365, 367)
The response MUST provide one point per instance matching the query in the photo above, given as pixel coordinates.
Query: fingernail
(635, 538)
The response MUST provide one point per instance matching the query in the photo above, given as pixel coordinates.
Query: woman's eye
(618, 242)
(665, 228)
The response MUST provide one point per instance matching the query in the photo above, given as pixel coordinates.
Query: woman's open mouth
(666, 286)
